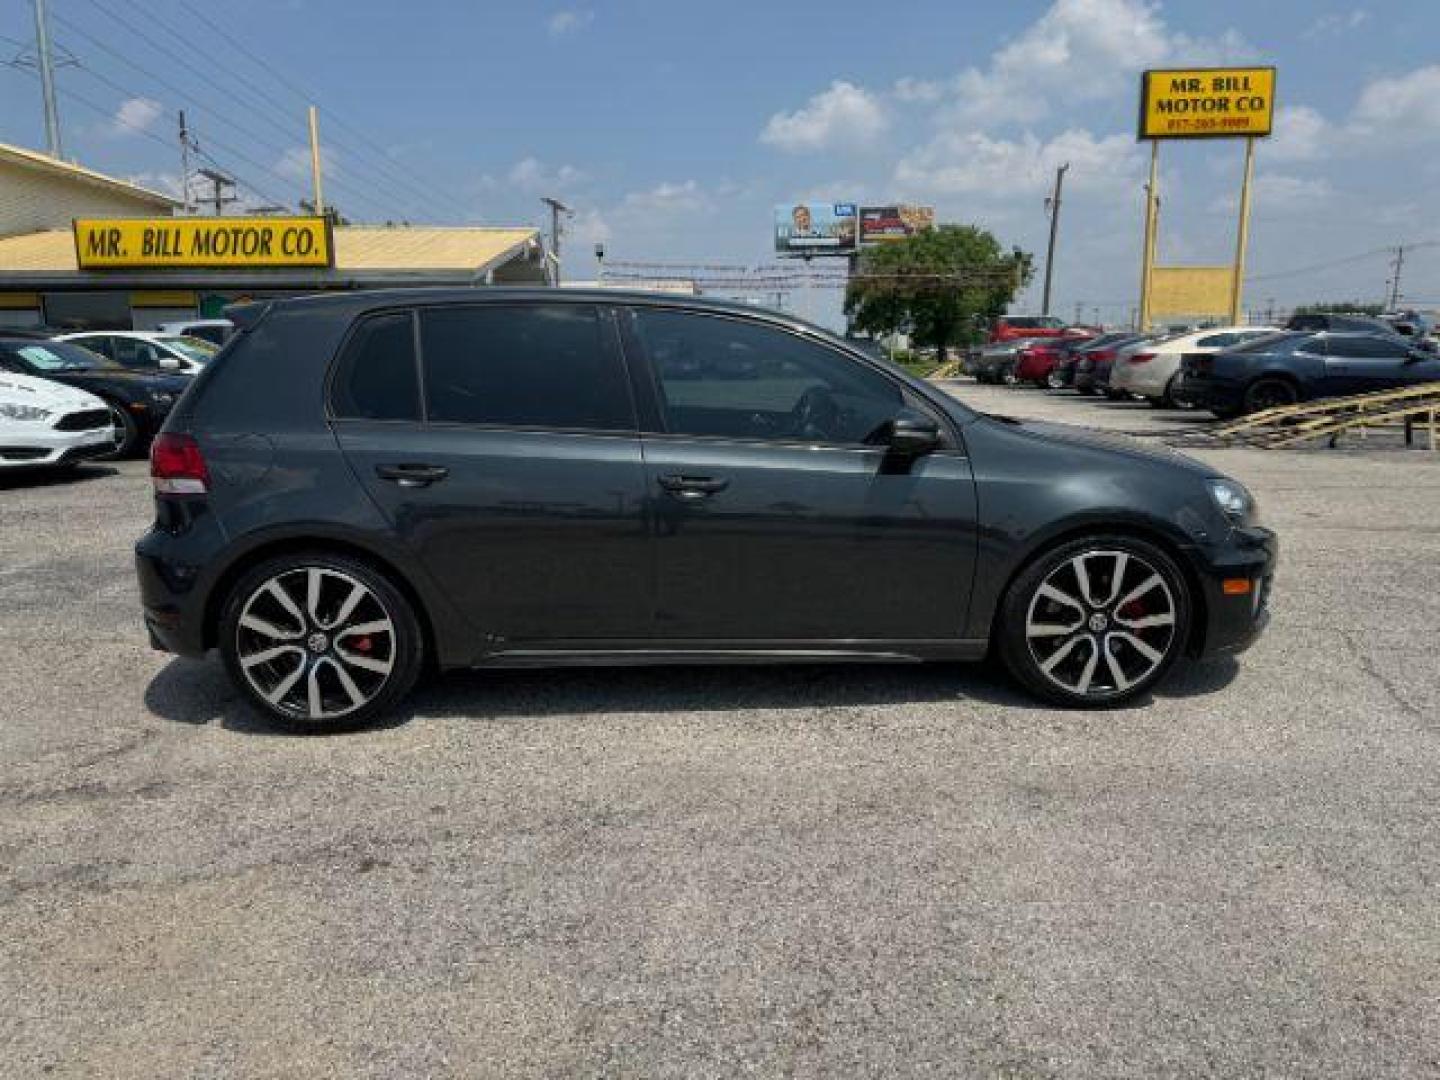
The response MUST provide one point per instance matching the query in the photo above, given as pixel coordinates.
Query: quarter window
(1360, 347)
(376, 379)
(731, 378)
(533, 365)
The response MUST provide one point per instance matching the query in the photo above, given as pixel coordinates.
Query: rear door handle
(692, 487)
(412, 476)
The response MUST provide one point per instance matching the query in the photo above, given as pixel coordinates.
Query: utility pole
(315, 160)
(1399, 264)
(187, 143)
(1079, 313)
(220, 182)
(47, 79)
(1052, 206)
(556, 209)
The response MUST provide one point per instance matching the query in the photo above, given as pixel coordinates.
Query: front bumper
(48, 447)
(1233, 621)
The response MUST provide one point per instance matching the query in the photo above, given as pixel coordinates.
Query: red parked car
(1011, 327)
(1034, 363)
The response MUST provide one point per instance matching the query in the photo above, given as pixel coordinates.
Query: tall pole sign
(1202, 103)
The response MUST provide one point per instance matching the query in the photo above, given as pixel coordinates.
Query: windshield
(192, 348)
(1035, 322)
(59, 356)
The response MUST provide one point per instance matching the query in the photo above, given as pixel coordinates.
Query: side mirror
(912, 434)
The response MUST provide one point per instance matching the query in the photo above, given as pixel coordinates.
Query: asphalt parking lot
(718, 872)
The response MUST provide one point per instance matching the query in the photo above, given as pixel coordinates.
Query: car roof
(352, 303)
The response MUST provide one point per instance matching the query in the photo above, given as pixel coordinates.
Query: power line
(188, 98)
(248, 87)
(307, 96)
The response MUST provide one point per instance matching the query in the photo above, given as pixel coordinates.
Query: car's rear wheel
(320, 642)
(1096, 621)
(124, 433)
(1270, 394)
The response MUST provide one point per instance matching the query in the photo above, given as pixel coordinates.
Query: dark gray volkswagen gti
(362, 485)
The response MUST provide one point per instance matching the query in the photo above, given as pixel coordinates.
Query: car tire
(1107, 644)
(336, 656)
(127, 434)
(1168, 400)
(1269, 393)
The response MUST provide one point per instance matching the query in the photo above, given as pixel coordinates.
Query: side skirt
(643, 654)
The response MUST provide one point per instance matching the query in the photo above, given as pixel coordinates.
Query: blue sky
(673, 128)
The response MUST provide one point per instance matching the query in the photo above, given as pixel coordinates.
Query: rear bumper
(173, 563)
(1233, 621)
(1208, 392)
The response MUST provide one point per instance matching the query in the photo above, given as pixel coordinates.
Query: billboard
(879, 224)
(815, 228)
(1207, 103)
(136, 243)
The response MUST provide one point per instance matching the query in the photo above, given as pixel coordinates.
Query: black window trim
(605, 315)
(949, 431)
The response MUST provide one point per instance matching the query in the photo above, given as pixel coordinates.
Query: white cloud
(294, 164)
(1301, 134)
(1403, 106)
(668, 198)
(569, 21)
(531, 174)
(923, 91)
(135, 115)
(167, 183)
(971, 163)
(1336, 23)
(845, 115)
(1079, 50)
(1277, 193)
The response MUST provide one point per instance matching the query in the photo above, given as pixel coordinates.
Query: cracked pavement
(712, 872)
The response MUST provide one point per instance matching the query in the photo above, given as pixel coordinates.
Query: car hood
(1071, 435)
(137, 381)
(44, 394)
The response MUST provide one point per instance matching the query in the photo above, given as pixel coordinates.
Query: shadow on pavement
(42, 477)
(198, 692)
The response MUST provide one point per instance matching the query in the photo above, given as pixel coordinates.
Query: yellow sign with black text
(1207, 103)
(215, 242)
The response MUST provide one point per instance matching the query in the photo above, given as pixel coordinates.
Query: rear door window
(542, 365)
(376, 378)
(1367, 345)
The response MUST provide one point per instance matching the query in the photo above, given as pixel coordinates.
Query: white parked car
(147, 350)
(1151, 371)
(44, 423)
(215, 331)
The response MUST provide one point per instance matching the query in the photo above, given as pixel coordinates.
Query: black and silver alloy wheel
(124, 433)
(1096, 622)
(320, 643)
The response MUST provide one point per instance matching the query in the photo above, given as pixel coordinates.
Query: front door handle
(692, 487)
(412, 476)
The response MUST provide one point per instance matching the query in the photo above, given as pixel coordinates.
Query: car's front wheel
(124, 433)
(1096, 621)
(320, 642)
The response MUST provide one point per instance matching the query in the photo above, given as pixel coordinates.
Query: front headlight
(11, 411)
(1234, 501)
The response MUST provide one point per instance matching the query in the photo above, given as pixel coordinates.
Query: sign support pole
(1242, 236)
(1152, 206)
(315, 160)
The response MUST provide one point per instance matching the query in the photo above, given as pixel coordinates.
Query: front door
(1362, 363)
(778, 520)
(518, 481)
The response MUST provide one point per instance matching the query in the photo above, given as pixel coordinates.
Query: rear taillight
(1141, 357)
(177, 467)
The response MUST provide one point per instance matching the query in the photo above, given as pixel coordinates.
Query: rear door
(1362, 363)
(508, 459)
(779, 520)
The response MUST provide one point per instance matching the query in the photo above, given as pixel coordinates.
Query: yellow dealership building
(81, 250)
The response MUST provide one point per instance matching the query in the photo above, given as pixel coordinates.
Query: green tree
(943, 286)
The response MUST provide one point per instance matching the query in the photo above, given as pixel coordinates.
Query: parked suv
(364, 483)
